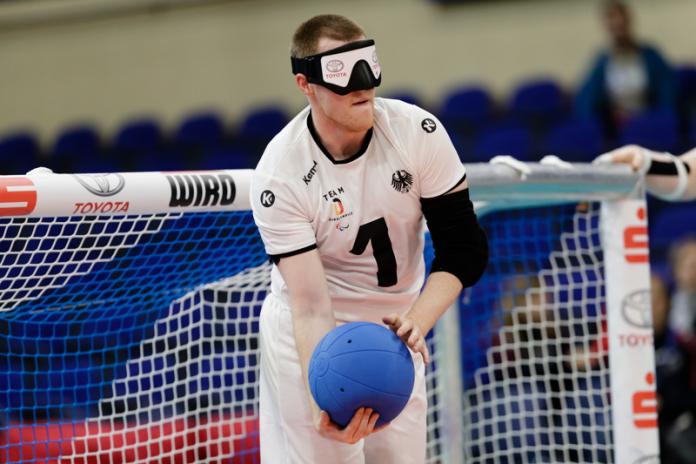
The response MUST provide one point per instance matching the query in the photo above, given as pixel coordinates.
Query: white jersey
(363, 214)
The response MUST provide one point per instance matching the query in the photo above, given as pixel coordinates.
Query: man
(668, 177)
(627, 78)
(339, 196)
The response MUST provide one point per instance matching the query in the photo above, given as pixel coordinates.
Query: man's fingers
(362, 424)
(425, 353)
(406, 327)
(354, 423)
(637, 162)
(414, 337)
(373, 421)
(362, 430)
(422, 348)
(391, 319)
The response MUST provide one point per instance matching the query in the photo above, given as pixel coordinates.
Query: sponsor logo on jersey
(402, 181)
(338, 206)
(267, 198)
(310, 174)
(17, 196)
(201, 189)
(333, 193)
(428, 125)
(339, 210)
(102, 185)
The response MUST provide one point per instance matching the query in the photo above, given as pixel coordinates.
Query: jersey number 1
(378, 233)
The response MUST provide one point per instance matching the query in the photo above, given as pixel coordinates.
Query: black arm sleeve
(666, 168)
(461, 246)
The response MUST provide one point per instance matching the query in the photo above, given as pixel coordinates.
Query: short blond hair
(306, 38)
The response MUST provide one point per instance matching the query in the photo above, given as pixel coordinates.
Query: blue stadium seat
(200, 132)
(466, 109)
(462, 145)
(19, 153)
(260, 126)
(513, 141)
(537, 102)
(97, 164)
(686, 82)
(74, 147)
(138, 136)
(658, 130)
(231, 157)
(161, 160)
(574, 141)
(671, 224)
(79, 141)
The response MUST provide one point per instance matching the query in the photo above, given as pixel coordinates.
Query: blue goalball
(361, 364)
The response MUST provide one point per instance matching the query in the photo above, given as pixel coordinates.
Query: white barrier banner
(629, 317)
(47, 194)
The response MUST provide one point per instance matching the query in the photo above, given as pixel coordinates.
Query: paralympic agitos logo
(201, 189)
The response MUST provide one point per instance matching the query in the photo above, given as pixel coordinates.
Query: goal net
(129, 309)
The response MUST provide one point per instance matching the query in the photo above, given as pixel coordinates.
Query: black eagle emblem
(402, 181)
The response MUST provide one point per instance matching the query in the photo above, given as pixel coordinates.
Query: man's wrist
(670, 166)
(667, 167)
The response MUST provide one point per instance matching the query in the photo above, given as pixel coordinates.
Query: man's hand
(633, 155)
(407, 330)
(361, 425)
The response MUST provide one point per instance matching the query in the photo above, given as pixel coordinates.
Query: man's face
(353, 112)
(619, 26)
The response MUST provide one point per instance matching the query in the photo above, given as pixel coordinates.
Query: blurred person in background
(683, 316)
(627, 78)
(675, 389)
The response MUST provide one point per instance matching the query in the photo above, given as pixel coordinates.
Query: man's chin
(363, 124)
(364, 117)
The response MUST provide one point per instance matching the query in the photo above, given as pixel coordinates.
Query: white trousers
(287, 432)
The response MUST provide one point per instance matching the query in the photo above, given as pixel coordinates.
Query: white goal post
(129, 306)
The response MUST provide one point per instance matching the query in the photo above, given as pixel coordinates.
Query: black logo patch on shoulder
(428, 125)
(402, 181)
(267, 198)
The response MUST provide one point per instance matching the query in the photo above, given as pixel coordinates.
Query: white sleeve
(437, 161)
(278, 211)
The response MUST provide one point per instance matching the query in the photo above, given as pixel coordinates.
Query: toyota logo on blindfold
(334, 66)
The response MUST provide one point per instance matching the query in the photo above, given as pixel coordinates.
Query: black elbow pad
(460, 245)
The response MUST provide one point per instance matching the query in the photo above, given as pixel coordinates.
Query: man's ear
(303, 84)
